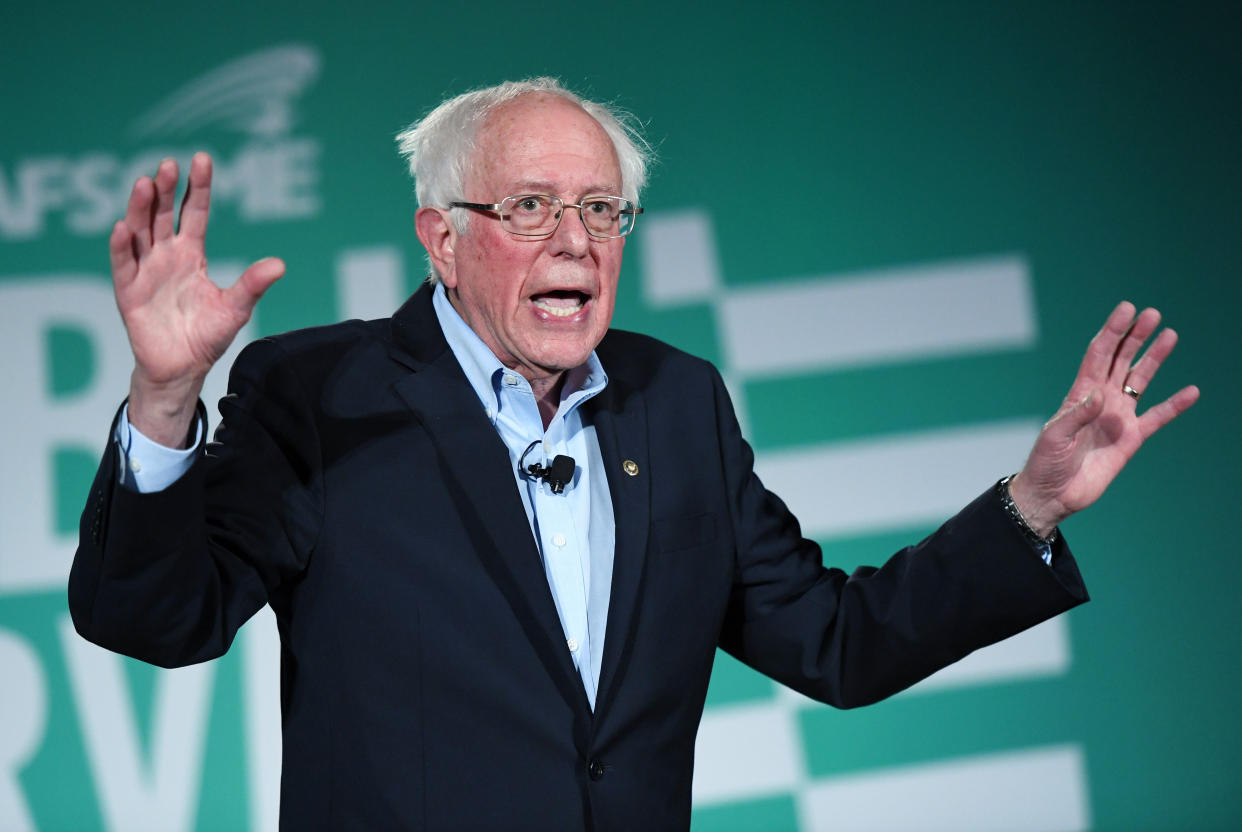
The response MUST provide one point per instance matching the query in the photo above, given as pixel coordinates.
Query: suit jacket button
(595, 770)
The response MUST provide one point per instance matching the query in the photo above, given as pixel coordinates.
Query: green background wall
(1072, 154)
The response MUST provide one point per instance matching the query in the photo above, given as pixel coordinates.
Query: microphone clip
(557, 475)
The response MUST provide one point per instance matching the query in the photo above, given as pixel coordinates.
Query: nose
(571, 236)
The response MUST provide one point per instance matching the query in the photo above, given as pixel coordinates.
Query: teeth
(559, 307)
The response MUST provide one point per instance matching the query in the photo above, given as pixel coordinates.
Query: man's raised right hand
(179, 322)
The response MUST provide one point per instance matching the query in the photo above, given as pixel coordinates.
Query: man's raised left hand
(1098, 427)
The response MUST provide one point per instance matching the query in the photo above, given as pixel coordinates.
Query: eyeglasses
(539, 215)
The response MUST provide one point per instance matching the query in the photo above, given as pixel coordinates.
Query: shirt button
(511, 380)
(135, 465)
(559, 539)
(595, 770)
(572, 644)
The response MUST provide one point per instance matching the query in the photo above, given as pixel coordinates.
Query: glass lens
(530, 213)
(607, 216)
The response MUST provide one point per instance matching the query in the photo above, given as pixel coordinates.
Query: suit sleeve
(168, 577)
(853, 639)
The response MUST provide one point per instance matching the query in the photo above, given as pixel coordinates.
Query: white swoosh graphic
(252, 95)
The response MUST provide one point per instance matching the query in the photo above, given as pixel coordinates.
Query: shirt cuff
(148, 466)
(1045, 552)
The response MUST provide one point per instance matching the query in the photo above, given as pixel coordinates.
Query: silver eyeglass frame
(494, 208)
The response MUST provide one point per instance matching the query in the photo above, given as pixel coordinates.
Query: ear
(438, 235)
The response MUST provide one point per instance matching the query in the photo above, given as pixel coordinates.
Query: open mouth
(561, 303)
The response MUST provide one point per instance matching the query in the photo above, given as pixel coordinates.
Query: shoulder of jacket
(341, 336)
(622, 350)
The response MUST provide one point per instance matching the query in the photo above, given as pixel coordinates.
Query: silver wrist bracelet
(1002, 488)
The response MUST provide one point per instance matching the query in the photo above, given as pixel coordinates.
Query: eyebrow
(543, 186)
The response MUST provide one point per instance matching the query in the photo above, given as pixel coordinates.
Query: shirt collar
(484, 371)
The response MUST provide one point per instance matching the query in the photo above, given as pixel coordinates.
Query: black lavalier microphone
(557, 475)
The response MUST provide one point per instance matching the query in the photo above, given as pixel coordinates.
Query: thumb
(254, 281)
(1073, 420)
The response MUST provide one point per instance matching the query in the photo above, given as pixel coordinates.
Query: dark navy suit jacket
(356, 485)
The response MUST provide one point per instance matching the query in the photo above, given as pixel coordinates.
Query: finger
(165, 190)
(138, 214)
(1063, 427)
(1103, 347)
(1142, 328)
(1160, 415)
(254, 281)
(197, 201)
(121, 252)
(1142, 372)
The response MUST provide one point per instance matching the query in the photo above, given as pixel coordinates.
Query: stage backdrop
(893, 227)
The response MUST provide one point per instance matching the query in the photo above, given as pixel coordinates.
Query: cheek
(611, 271)
(492, 247)
(499, 273)
(607, 302)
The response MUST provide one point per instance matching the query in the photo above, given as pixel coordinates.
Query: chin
(558, 361)
(563, 363)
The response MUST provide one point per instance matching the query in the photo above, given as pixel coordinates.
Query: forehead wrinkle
(547, 186)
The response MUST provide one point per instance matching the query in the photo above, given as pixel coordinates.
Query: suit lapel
(474, 464)
(620, 419)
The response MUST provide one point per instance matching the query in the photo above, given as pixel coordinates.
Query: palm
(177, 320)
(1098, 428)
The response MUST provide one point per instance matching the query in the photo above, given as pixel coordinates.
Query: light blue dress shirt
(574, 531)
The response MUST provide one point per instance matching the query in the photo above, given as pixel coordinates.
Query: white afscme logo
(271, 176)
(252, 95)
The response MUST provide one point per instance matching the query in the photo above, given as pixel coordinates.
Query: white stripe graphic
(678, 254)
(1043, 650)
(261, 692)
(906, 314)
(745, 752)
(370, 282)
(749, 752)
(894, 481)
(1039, 790)
(1040, 652)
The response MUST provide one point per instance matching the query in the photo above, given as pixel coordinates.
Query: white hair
(438, 147)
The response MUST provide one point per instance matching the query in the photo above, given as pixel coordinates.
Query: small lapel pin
(630, 467)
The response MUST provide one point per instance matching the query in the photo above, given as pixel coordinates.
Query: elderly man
(502, 541)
